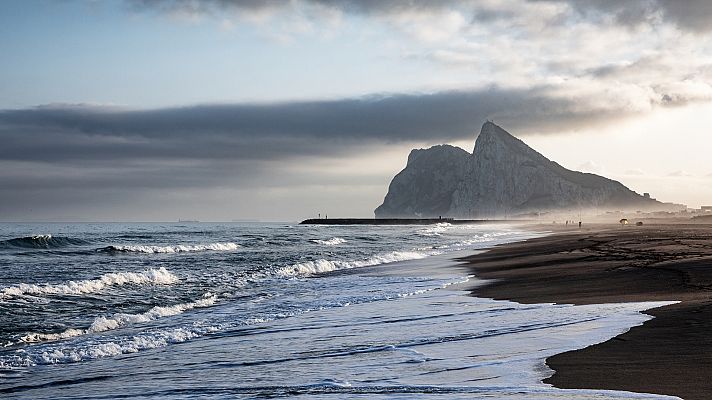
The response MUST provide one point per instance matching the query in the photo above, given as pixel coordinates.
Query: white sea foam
(321, 266)
(462, 280)
(480, 238)
(226, 246)
(103, 324)
(160, 276)
(71, 352)
(330, 242)
(103, 346)
(443, 286)
(93, 350)
(435, 230)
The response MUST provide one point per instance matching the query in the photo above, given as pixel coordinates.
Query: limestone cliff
(503, 176)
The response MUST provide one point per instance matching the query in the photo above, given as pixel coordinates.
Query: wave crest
(434, 230)
(330, 242)
(41, 242)
(160, 276)
(103, 324)
(322, 266)
(227, 246)
(95, 350)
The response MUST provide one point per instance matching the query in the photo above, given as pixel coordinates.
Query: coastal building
(706, 209)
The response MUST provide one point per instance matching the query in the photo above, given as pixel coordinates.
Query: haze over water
(271, 310)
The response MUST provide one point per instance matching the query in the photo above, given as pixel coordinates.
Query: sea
(272, 310)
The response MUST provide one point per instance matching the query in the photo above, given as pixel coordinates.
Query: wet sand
(670, 354)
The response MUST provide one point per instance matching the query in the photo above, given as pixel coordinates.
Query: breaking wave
(227, 246)
(435, 230)
(322, 266)
(109, 346)
(477, 239)
(330, 242)
(94, 350)
(41, 242)
(103, 324)
(160, 276)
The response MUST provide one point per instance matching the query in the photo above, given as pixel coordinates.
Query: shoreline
(668, 354)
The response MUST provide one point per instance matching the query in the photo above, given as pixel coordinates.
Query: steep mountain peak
(493, 133)
(490, 128)
(494, 139)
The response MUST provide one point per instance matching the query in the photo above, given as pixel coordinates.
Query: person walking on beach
(579, 224)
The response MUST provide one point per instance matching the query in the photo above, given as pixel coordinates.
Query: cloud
(363, 7)
(426, 20)
(587, 46)
(635, 172)
(688, 15)
(193, 9)
(693, 15)
(680, 174)
(272, 131)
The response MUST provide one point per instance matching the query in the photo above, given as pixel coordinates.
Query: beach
(612, 264)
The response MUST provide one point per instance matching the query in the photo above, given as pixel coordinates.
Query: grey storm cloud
(274, 131)
(691, 15)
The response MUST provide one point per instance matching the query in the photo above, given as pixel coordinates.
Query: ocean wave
(226, 246)
(477, 239)
(160, 276)
(110, 346)
(330, 242)
(443, 286)
(103, 324)
(322, 266)
(42, 242)
(434, 230)
(102, 349)
(103, 346)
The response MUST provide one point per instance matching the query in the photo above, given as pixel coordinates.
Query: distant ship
(188, 220)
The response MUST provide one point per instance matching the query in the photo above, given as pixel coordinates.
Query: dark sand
(670, 354)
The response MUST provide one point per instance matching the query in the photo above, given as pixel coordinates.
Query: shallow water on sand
(272, 310)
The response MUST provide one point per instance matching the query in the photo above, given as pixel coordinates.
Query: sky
(277, 110)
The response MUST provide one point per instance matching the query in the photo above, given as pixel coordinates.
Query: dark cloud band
(279, 130)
